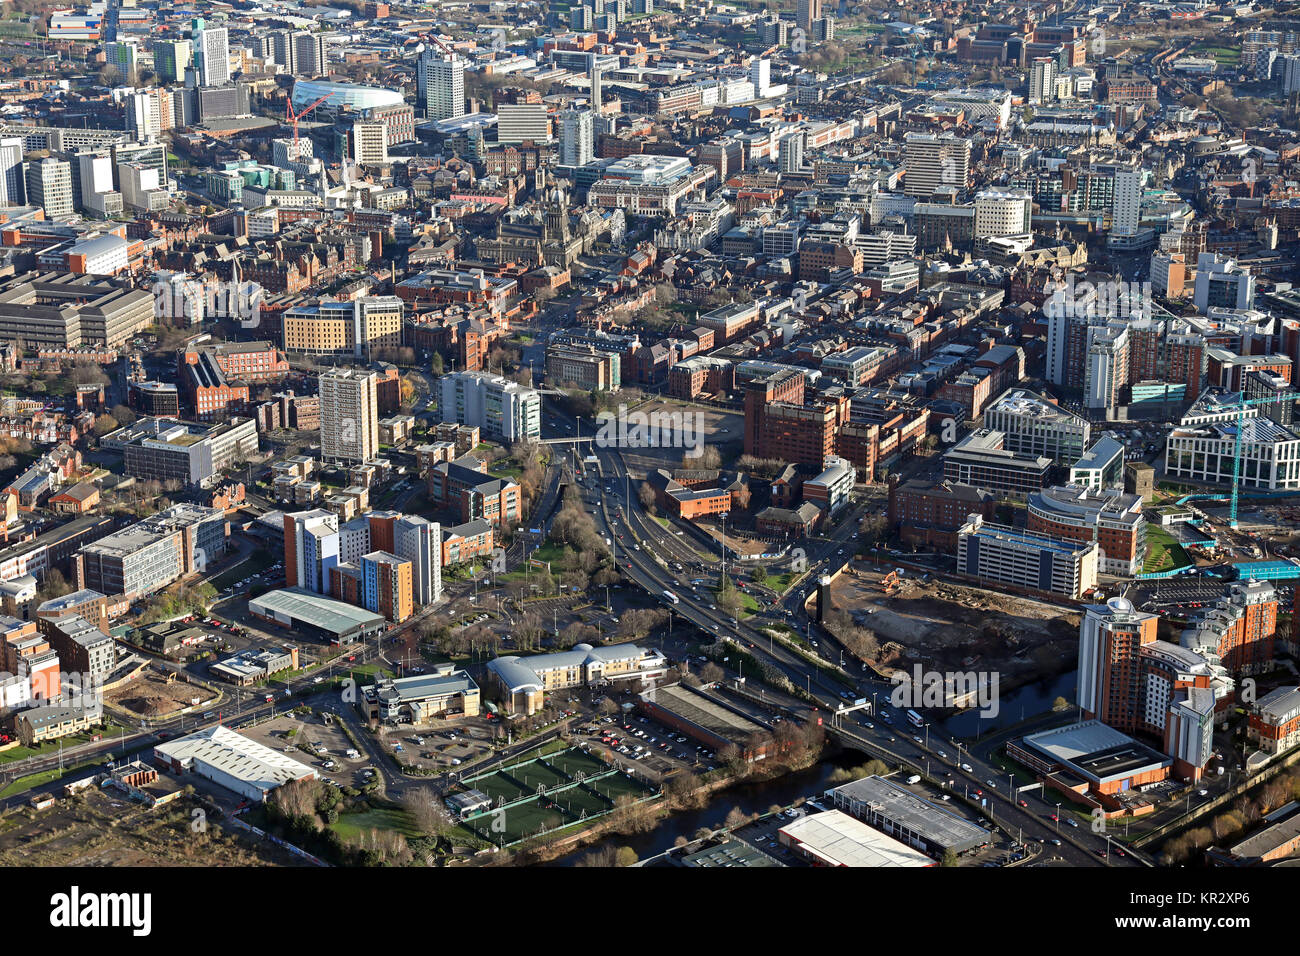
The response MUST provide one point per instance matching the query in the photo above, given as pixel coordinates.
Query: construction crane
(294, 117)
(434, 38)
(1241, 405)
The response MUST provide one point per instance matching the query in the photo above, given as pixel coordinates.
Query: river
(754, 797)
(1020, 704)
(1026, 701)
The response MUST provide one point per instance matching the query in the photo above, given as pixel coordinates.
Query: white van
(914, 779)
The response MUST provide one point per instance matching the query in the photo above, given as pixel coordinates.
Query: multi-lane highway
(648, 554)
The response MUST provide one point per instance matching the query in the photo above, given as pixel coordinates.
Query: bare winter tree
(427, 812)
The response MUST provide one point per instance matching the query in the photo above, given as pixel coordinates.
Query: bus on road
(914, 718)
(671, 598)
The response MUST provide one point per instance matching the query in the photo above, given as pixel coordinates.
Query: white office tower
(499, 407)
(440, 83)
(806, 11)
(760, 74)
(931, 161)
(519, 123)
(311, 547)
(300, 52)
(142, 187)
(370, 143)
(1288, 67)
(1222, 283)
(1126, 201)
(580, 19)
(349, 415)
(124, 57)
(98, 197)
(285, 152)
(1108, 365)
(419, 541)
(310, 53)
(12, 182)
(1002, 213)
(49, 185)
(1042, 81)
(171, 58)
(792, 152)
(578, 144)
(212, 56)
(148, 113)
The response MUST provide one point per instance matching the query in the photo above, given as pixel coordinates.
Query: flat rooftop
(321, 612)
(702, 712)
(1096, 752)
(235, 755)
(933, 823)
(836, 839)
(730, 853)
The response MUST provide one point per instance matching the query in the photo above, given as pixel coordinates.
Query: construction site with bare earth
(948, 627)
(154, 695)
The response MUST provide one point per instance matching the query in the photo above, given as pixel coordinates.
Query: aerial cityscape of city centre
(650, 434)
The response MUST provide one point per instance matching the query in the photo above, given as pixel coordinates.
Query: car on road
(1055, 842)
(943, 755)
(966, 767)
(1022, 803)
(1072, 822)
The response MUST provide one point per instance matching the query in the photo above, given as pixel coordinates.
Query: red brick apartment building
(1242, 627)
(928, 514)
(692, 495)
(208, 393)
(465, 485)
(817, 260)
(467, 541)
(1275, 720)
(797, 432)
(1111, 518)
(1226, 369)
(786, 386)
(244, 361)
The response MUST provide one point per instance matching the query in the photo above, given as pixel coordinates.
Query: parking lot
(656, 750)
(317, 741)
(458, 743)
